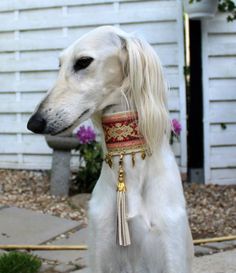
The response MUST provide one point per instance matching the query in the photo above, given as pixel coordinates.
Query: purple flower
(85, 135)
(176, 127)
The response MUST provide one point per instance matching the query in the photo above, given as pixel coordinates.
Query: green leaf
(90, 162)
(223, 126)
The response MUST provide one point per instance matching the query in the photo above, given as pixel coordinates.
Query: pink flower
(85, 135)
(176, 127)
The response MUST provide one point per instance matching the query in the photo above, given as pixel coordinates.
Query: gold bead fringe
(123, 233)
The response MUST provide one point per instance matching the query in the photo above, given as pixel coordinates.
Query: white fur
(126, 73)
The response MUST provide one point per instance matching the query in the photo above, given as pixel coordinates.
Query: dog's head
(94, 72)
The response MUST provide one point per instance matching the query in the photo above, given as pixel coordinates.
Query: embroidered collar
(122, 133)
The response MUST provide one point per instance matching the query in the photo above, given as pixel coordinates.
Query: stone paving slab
(70, 256)
(21, 226)
(224, 262)
(202, 250)
(222, 245)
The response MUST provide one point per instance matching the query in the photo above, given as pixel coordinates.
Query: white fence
(32, 33)
(219, 70)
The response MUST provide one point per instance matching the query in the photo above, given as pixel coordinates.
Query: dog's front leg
(102, 230)
(177, 245)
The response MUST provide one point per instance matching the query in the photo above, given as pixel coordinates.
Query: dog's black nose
(36, 124)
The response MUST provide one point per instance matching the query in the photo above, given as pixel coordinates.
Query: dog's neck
(122, 104)
(122, 137)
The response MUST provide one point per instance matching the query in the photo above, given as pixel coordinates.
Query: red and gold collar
(122, 133)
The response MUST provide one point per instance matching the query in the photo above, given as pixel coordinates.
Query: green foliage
(228, 6)
(90, 162)
(19, 262)
(225, 6)
(223, 126)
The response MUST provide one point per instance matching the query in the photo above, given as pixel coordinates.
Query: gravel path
(30, 190)
(211, 208)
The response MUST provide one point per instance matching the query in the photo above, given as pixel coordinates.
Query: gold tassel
(133, 159)
(143, 155)
(108, 160)
(123, 235)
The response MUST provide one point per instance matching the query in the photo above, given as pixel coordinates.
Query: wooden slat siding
(220, 93)
(165, 34)
(223, 157)
(6, 5)
(223, 93)
(219, 25)
(222, 112)
(222, 50)
(105, 18)
(33, 34)
(222, 173)
(223, 137)
(222, 67)
(25, 147)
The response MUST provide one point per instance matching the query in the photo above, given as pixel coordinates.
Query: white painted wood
(222, 67)
(205, 82)
(182, 90)
(33, 34)
(220, 136)
(223, 157)
(154, 32)
(221, 50)
(27, 147)
(225, 181)
(220, 25)
(219, 90)
(222, 111)
(6, 5)
(223, 93)
(223, 174)
(164, 13)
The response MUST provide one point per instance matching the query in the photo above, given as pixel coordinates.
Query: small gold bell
(143, 155)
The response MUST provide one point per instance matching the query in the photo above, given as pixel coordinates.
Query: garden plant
(19, 262)
(225, 6)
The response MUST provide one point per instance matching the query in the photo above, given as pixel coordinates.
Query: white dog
(102, 73)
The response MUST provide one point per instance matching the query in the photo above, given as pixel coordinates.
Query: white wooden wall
(219, 84)
(32, 33)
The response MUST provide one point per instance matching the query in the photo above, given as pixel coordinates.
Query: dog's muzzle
(36, 124)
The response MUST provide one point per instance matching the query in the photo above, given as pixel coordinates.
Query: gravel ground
(30, 189)
(211, 208)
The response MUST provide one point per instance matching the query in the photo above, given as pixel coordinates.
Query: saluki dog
(104, 72)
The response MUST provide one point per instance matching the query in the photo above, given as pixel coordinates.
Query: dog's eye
(82, 63)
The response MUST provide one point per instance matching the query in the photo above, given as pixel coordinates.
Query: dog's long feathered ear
(147, 90)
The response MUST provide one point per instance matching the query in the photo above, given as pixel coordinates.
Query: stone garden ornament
(137, 215)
